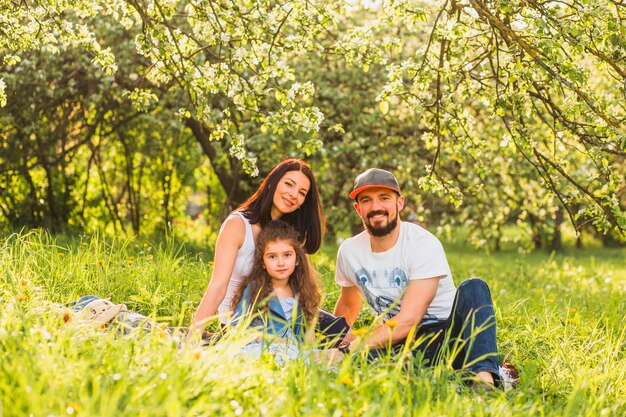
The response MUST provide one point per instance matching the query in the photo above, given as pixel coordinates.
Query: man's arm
(349, 304)
(418, 296)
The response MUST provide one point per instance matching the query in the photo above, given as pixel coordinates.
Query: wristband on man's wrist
(344, 347)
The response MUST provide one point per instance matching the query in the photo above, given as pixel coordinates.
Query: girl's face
(290, 193)
(279, 259)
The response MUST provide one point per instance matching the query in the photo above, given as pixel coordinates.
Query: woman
(288, 193)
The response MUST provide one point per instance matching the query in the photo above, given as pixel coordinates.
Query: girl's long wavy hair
(308, 220)
(304, 280)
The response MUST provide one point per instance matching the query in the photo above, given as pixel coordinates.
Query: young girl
(283, 290)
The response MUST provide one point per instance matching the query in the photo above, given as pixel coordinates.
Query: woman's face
(290, 193)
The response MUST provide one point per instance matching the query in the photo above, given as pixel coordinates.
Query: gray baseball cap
(374, 178)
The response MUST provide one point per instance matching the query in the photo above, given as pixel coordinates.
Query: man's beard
(383, 230)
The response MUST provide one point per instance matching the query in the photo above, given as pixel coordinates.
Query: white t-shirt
(384, 276)
(287, 305)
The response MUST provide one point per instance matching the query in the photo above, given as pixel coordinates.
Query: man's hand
(329, 356)
(417, 298)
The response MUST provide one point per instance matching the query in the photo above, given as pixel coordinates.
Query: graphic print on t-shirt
(383, 295)
(398, 278)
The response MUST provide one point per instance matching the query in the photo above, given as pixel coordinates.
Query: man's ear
(400, 203)
(357, 208)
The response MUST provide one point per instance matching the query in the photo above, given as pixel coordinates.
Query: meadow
(560, 320)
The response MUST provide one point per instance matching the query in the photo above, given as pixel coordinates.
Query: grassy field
(560, 320)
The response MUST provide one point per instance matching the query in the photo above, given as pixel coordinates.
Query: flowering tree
(518, 102)
(510, 111)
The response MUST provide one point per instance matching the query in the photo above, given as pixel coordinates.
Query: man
(402, 271)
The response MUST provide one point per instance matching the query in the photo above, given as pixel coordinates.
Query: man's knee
(474, 285)
(474, 295)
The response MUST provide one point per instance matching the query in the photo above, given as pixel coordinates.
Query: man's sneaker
(509, 376)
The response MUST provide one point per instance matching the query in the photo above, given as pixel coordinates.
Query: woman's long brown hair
(304, 280)
(308, 220)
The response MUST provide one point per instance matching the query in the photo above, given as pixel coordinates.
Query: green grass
(560, 320)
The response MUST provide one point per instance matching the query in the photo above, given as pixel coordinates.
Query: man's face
(379, 209)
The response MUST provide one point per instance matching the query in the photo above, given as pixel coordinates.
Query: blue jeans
(333, 328)
(467, 337)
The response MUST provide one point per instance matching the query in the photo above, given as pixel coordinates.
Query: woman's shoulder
(233, 229)
(236, 219)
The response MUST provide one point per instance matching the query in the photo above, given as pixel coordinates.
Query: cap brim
(356, 192)
(110, 313)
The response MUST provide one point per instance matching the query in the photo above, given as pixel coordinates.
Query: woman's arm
(228, 243)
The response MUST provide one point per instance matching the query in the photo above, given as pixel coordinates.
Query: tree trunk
(497, 239)
(227, 169)
(557, 239)
(535, 229)
(579, 240)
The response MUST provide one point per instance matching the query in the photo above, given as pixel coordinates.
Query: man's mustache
(376, 213)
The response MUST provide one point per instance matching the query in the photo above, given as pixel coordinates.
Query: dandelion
(101, 262)
(359, 332)
(196, 356)
(346, 380)
(24, 282)
(573, 310)
(149, 257)
(60, 254)
(391, 323)
(21, 297)
(72, 408)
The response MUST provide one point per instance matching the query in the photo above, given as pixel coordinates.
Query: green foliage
(559, 321)
(491, 113)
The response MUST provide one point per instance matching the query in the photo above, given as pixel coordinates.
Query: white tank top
(243, 266)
